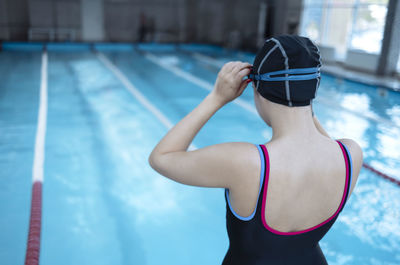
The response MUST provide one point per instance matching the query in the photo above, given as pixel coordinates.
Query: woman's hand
(230, 83)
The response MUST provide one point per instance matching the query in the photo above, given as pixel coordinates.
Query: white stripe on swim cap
(287, 68)
(320, 64)
(262, 62)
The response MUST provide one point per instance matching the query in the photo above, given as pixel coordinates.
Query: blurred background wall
(359, 34)
(211, 21)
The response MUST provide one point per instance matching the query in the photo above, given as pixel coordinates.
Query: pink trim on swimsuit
(265, 196)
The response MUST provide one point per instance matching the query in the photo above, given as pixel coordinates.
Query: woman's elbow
(153, 160)
(157, 161)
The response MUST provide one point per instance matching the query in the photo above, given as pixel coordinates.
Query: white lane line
(137, 94)
(38, 160)
(195, 80)
(208, 60)
(211, 61)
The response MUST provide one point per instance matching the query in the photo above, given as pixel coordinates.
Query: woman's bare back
(305, 185)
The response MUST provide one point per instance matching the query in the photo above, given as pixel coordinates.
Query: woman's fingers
(235, 67)
(243, 86)
(229, 66)
(244, 72)
(240, 66)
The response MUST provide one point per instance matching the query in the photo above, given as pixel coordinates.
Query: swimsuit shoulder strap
(349, 168)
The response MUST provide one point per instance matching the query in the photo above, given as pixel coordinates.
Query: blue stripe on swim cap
(291, 75)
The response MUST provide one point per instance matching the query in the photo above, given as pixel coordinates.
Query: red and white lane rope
(33, 246)
(381, 174)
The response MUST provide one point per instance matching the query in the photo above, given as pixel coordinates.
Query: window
(344, 24)
(311, 20)
(369, 23)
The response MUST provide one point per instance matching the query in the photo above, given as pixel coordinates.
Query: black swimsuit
(253, 242)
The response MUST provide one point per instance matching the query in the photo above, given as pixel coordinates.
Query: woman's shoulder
(354, 149)
(237, 148)
(356, 159)
(242, 161)
(245, 152)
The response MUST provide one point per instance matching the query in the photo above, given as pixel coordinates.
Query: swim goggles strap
(297, 74)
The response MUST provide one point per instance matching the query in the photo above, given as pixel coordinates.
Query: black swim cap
(286, 70)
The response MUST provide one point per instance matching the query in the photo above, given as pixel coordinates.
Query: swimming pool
(103, 204)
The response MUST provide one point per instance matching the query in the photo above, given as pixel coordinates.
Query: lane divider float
(35, 221)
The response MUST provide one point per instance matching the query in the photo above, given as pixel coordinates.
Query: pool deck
(362, 77)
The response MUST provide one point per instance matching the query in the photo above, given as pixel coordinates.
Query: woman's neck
(293, 122)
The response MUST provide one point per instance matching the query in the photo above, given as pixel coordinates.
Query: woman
(283, 196)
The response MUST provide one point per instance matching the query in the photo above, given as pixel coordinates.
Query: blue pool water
(103, 204)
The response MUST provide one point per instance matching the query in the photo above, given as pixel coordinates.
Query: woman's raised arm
(201, 167)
